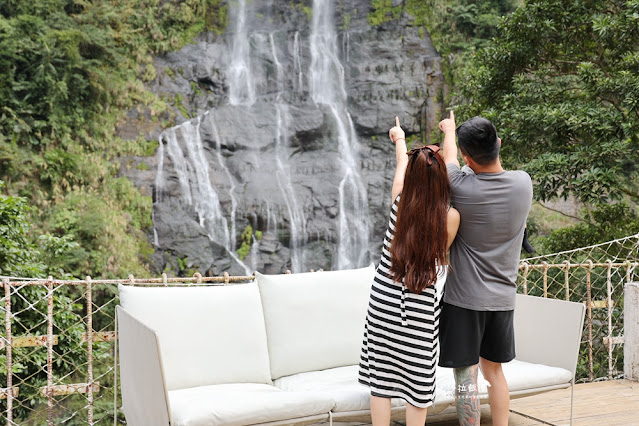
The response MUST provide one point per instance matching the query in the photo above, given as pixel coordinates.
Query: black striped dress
(400, 348)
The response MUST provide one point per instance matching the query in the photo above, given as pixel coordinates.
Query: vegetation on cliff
(69, 71)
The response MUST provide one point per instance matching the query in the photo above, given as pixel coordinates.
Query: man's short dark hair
(478, 139)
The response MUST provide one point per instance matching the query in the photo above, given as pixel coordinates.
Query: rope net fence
(58, 346)
(595, 276)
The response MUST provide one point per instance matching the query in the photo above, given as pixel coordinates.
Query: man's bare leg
(468, 409)
(415, 416)
(497, 391)
(380, 411)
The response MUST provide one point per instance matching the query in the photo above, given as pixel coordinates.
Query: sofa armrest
(548, 331)
(144, 396)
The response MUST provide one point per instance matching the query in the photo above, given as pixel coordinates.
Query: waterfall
(241, 84)
(193, 175)
(197, 190)
(263, 117)
(159, 189)
(297, 62)
(346, 46)
(159, 177)
(278, 67)
(227, 173)
(295, 213)
(327, 87)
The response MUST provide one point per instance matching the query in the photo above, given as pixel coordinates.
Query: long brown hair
(420, 241)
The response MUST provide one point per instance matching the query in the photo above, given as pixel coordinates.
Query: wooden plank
(28, 341)
(609, 403)
(100, 336)
(599, 304)
(612, 402)
(69, 389)
(5, 391)
(616, 340)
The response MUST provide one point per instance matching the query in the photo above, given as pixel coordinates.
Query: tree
(561, 83)
(22, 255)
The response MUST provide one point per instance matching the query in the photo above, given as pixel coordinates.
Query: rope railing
(59, 347)
(594, 275)
(58, 351)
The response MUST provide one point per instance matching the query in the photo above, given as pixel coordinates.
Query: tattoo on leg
(466, 395)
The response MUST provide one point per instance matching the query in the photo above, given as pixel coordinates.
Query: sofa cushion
(525, 375)
(314, 320)
(349, 395)
(207, 335)
(243, 404)
(340, 382)
(520, 376)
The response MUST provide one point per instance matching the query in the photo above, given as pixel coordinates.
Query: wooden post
(631, 331)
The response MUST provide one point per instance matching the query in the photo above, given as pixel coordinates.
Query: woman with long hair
(400, 345)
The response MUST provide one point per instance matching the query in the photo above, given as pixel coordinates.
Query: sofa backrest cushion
(314, 320)
(207, 335)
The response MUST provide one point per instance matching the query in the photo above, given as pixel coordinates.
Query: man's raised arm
(447, 126)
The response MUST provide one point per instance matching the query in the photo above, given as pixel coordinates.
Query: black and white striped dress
(400, 348)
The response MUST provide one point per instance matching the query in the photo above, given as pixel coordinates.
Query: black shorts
(465, 335)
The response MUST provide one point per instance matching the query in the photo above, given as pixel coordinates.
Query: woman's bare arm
(398, 136)
(453, 225)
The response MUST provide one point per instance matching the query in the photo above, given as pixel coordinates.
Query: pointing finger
(397, 121)
(452, 115)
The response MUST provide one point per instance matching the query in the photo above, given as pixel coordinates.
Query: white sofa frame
(547, 331)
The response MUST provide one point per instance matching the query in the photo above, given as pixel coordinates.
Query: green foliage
(561, 85)
(609, 222)
(383, 11)
(18, 254)
(69, 70)
(22, 254)
(246, 239)
(182, 263)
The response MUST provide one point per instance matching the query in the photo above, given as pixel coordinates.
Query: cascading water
(297, 62)
(193, 175)
(227, 173)
(241, 85)
(296, 215)
(327, 88)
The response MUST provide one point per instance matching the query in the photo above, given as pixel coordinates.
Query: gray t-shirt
(484, 257)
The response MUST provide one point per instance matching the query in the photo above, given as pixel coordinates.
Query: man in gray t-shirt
(476, 322)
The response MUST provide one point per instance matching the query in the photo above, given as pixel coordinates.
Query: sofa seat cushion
(520, 376)
(243, 404)
(314, 321)
(523, 376)
(350, 395)
(340, 382)
(207, 335)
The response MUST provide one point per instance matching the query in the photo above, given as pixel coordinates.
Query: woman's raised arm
(398, 137)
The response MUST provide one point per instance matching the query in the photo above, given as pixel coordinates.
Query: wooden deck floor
(596, 404)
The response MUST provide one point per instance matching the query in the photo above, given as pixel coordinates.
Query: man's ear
(467, 160)
(499, 139)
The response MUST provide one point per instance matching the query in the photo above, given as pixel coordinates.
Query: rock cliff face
(284, 160)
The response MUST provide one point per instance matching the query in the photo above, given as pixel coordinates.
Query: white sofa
(285, 350)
